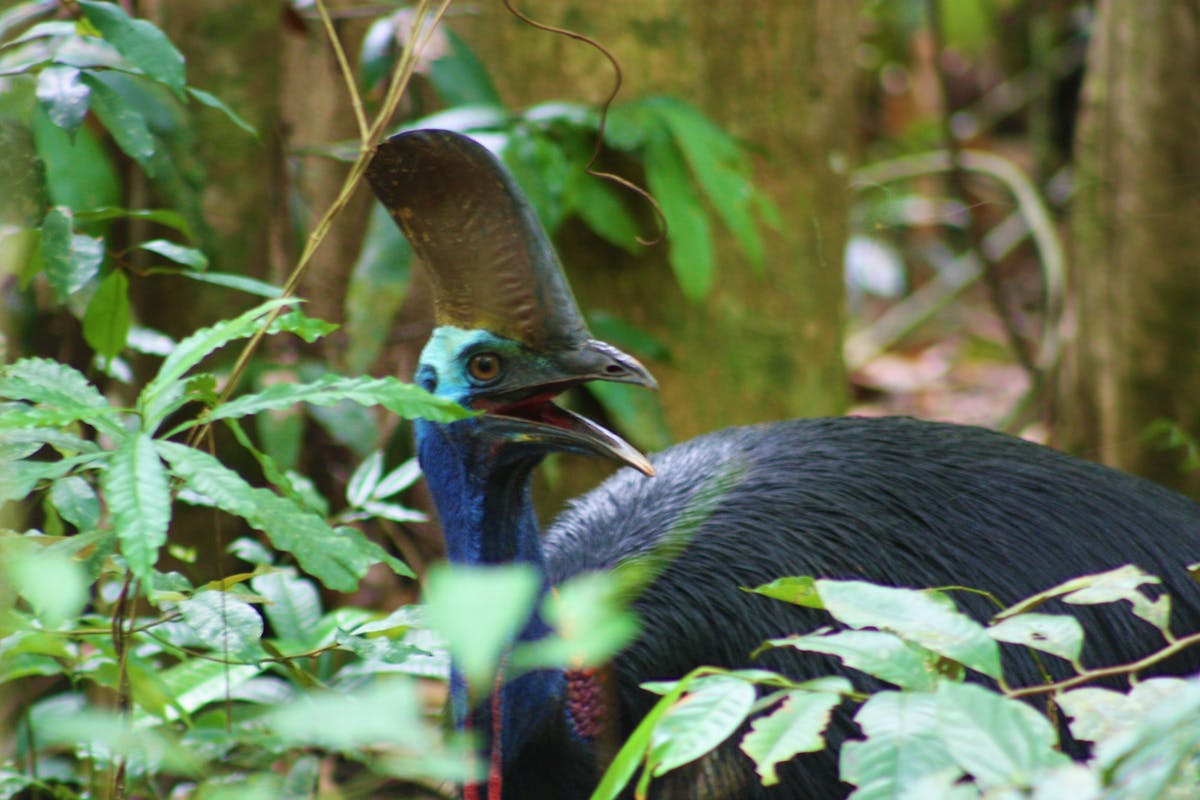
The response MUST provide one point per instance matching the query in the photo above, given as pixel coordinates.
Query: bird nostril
(615, 369)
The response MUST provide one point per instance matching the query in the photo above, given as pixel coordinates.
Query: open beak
(526, 412)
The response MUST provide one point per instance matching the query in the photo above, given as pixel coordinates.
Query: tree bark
(1135, 356)
(778, 75)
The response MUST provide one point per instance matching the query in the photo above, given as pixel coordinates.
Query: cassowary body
(895, 501)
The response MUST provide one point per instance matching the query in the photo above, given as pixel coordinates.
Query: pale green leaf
(139, 42)
(796, 726)
(397, 480)
(76, 502)
(883, 655)
(63, 96)
(109, 315)
(224, 622)
(901, 748)
(180, 254)
(139, 500)
(479, 611)
(53, 584)
(361, 486)
(198, 682)
(71, 259)
(915, 616)
(713, 708)
(293, 607)
(1058, 634)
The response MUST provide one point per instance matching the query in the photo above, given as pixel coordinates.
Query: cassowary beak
(523, 411)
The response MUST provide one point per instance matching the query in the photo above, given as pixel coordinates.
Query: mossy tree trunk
(1135, 356)
(778, 75)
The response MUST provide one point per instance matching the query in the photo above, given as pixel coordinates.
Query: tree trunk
(778, 75)
(1136, 234)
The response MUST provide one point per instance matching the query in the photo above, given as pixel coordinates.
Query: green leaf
(915, 616)
(459, 77)
(71, 259)
(714, 707)
(1000, 741)
(224, 622)
(1058, 634)
(337, 557)
(884, 655)
(125, 122)
(795, 727)
(41, 380)
(53, 584)
(378, 52)
(479, 611)
(361, 486)
(109, 316)
(198, 682)
(139, 42)
(188, 256)
(719, 167)
(599, 205)
(404, 399)
(638, 413)
(297, 322)
(161, 393)
(229, 280)
(637, 745)
(80, 172)
(139, 500)
(692, 255)
(1096, 713)
(1116, 585)
(397, 480)
(159, 216)
(63, 95)
(293, 607)
(591, 624)
(212, 101)
(76, 501)
(799, 590)
(378, 285)
(902, 746)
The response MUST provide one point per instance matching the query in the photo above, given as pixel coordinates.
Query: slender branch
(1108, 672)
(344, 67)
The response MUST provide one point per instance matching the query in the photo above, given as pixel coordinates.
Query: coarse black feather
(896, 501)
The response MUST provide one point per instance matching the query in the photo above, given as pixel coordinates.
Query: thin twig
(360, 115)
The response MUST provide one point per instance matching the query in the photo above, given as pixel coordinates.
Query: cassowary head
(510, 336)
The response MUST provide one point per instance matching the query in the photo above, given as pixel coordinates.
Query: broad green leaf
(139, 42)
(1058, 634)
(242, 283)
(63, 95)
(180, 254)
(125, 122)
(76, 501)
(591, 624)
(293, 607)
(212, 101)
(915, 616)
(164, 390)
(459, 77)
(542, 170)
(714, 707)
(139, 501)
(160, 216)
(1122, 583)
(18, 444)
(378, 285)
(479, 611)
(883, 655)
(796, 726)
(404, 399)
(599, 205)
(198, 682)
(902, 746)
(1157, 756)
(720, 168)
(18, 417)
(1097, 713)
(67, 393)
(692, 255)
(338, 557)
(53, 584)
(80, 172)
(999, 741)
(388, 712)
(109, 316)
(71, 259)
(224, 622)
(799, 590)
(361, 486)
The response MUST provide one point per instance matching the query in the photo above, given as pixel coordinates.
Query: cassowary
(895, 501)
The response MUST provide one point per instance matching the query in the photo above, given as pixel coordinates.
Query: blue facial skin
(480, 484)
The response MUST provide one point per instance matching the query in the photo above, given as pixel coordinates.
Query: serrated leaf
(795, 726)
(404, 399)
(163, 390)
(884, 655)
(180, 254)
(126, 123)
(915, 616)
(691, 254)
(139, 501)
(214, 102)
(902, 746)
(71, 259)
(297, 322)
(479, 611)
(63, 96)
(76, 501)
(1058, 634)
(1097, 713)
(43, 381)
(1157, 756)
(714, 707)
(224, 622)
(293, 607)
(998, 740)
(108, 317)
(364, 479)
(139, 42)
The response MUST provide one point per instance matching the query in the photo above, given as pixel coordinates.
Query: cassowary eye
(484, 367)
